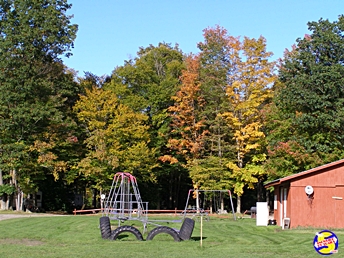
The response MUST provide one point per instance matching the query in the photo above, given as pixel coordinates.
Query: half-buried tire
(186, 229)
(128, 229)
(105, 227)
(165, 230)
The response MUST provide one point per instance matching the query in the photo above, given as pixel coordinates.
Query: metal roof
(304, 173)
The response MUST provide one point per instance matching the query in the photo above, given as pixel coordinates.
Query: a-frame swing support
(197, 191)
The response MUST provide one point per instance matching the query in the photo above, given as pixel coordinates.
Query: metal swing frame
(202, 212)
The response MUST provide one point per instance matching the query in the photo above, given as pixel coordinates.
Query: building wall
(312, 212)
(324, 178)
(282, 206)
(339, 205)
(324, 209)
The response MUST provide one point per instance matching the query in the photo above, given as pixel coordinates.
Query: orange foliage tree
(187, 124)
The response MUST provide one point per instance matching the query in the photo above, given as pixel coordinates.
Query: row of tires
(184, 233)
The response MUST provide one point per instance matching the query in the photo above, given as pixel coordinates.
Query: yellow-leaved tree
(249, 90)
(117, 138)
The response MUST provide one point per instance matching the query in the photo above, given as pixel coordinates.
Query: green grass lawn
(79, 236)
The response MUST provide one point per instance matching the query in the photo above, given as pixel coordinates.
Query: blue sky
(111, 31)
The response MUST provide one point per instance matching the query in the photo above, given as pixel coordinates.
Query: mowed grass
(79, 236)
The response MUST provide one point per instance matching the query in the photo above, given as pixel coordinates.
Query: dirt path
(26, 215)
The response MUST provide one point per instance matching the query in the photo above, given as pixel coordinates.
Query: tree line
(227, 117)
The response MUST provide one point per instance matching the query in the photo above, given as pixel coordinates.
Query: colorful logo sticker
(325, 242)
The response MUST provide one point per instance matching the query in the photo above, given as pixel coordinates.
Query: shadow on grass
(123, 236)
(197, 238)
(128, 237)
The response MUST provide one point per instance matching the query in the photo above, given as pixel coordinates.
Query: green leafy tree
(33, 36)
(309, 102)
(217, 53)
(146, 84)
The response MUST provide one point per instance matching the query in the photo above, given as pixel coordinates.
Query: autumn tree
(187, 122)
(217, 52)
(216, 56)
(188, 125)
(146, 84)
(309, 104)
(33, 36)
(117, 139)
(249, 90)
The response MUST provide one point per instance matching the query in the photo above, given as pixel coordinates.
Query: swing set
(213, 199)
(124, 202)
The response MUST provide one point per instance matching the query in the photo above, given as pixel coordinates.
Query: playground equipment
(195, 212)
(124, 200)
(124, 203)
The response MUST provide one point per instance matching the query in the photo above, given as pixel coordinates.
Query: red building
(313, 198)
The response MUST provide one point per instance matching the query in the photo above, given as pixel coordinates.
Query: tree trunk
(2, 202)
(268, 200)
(101, 200)
(19, 193)
(260, 191)
(19, 200)
(197, 201)
(238, 209)
(240, 165)
(7, 202)
(177, 195)
(94, 199)
(170, 193)
(158, 200)
(222, 202)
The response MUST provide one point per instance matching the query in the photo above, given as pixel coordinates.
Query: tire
(105, 227)
(166, 230)
(186, 229)
(129, 229)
